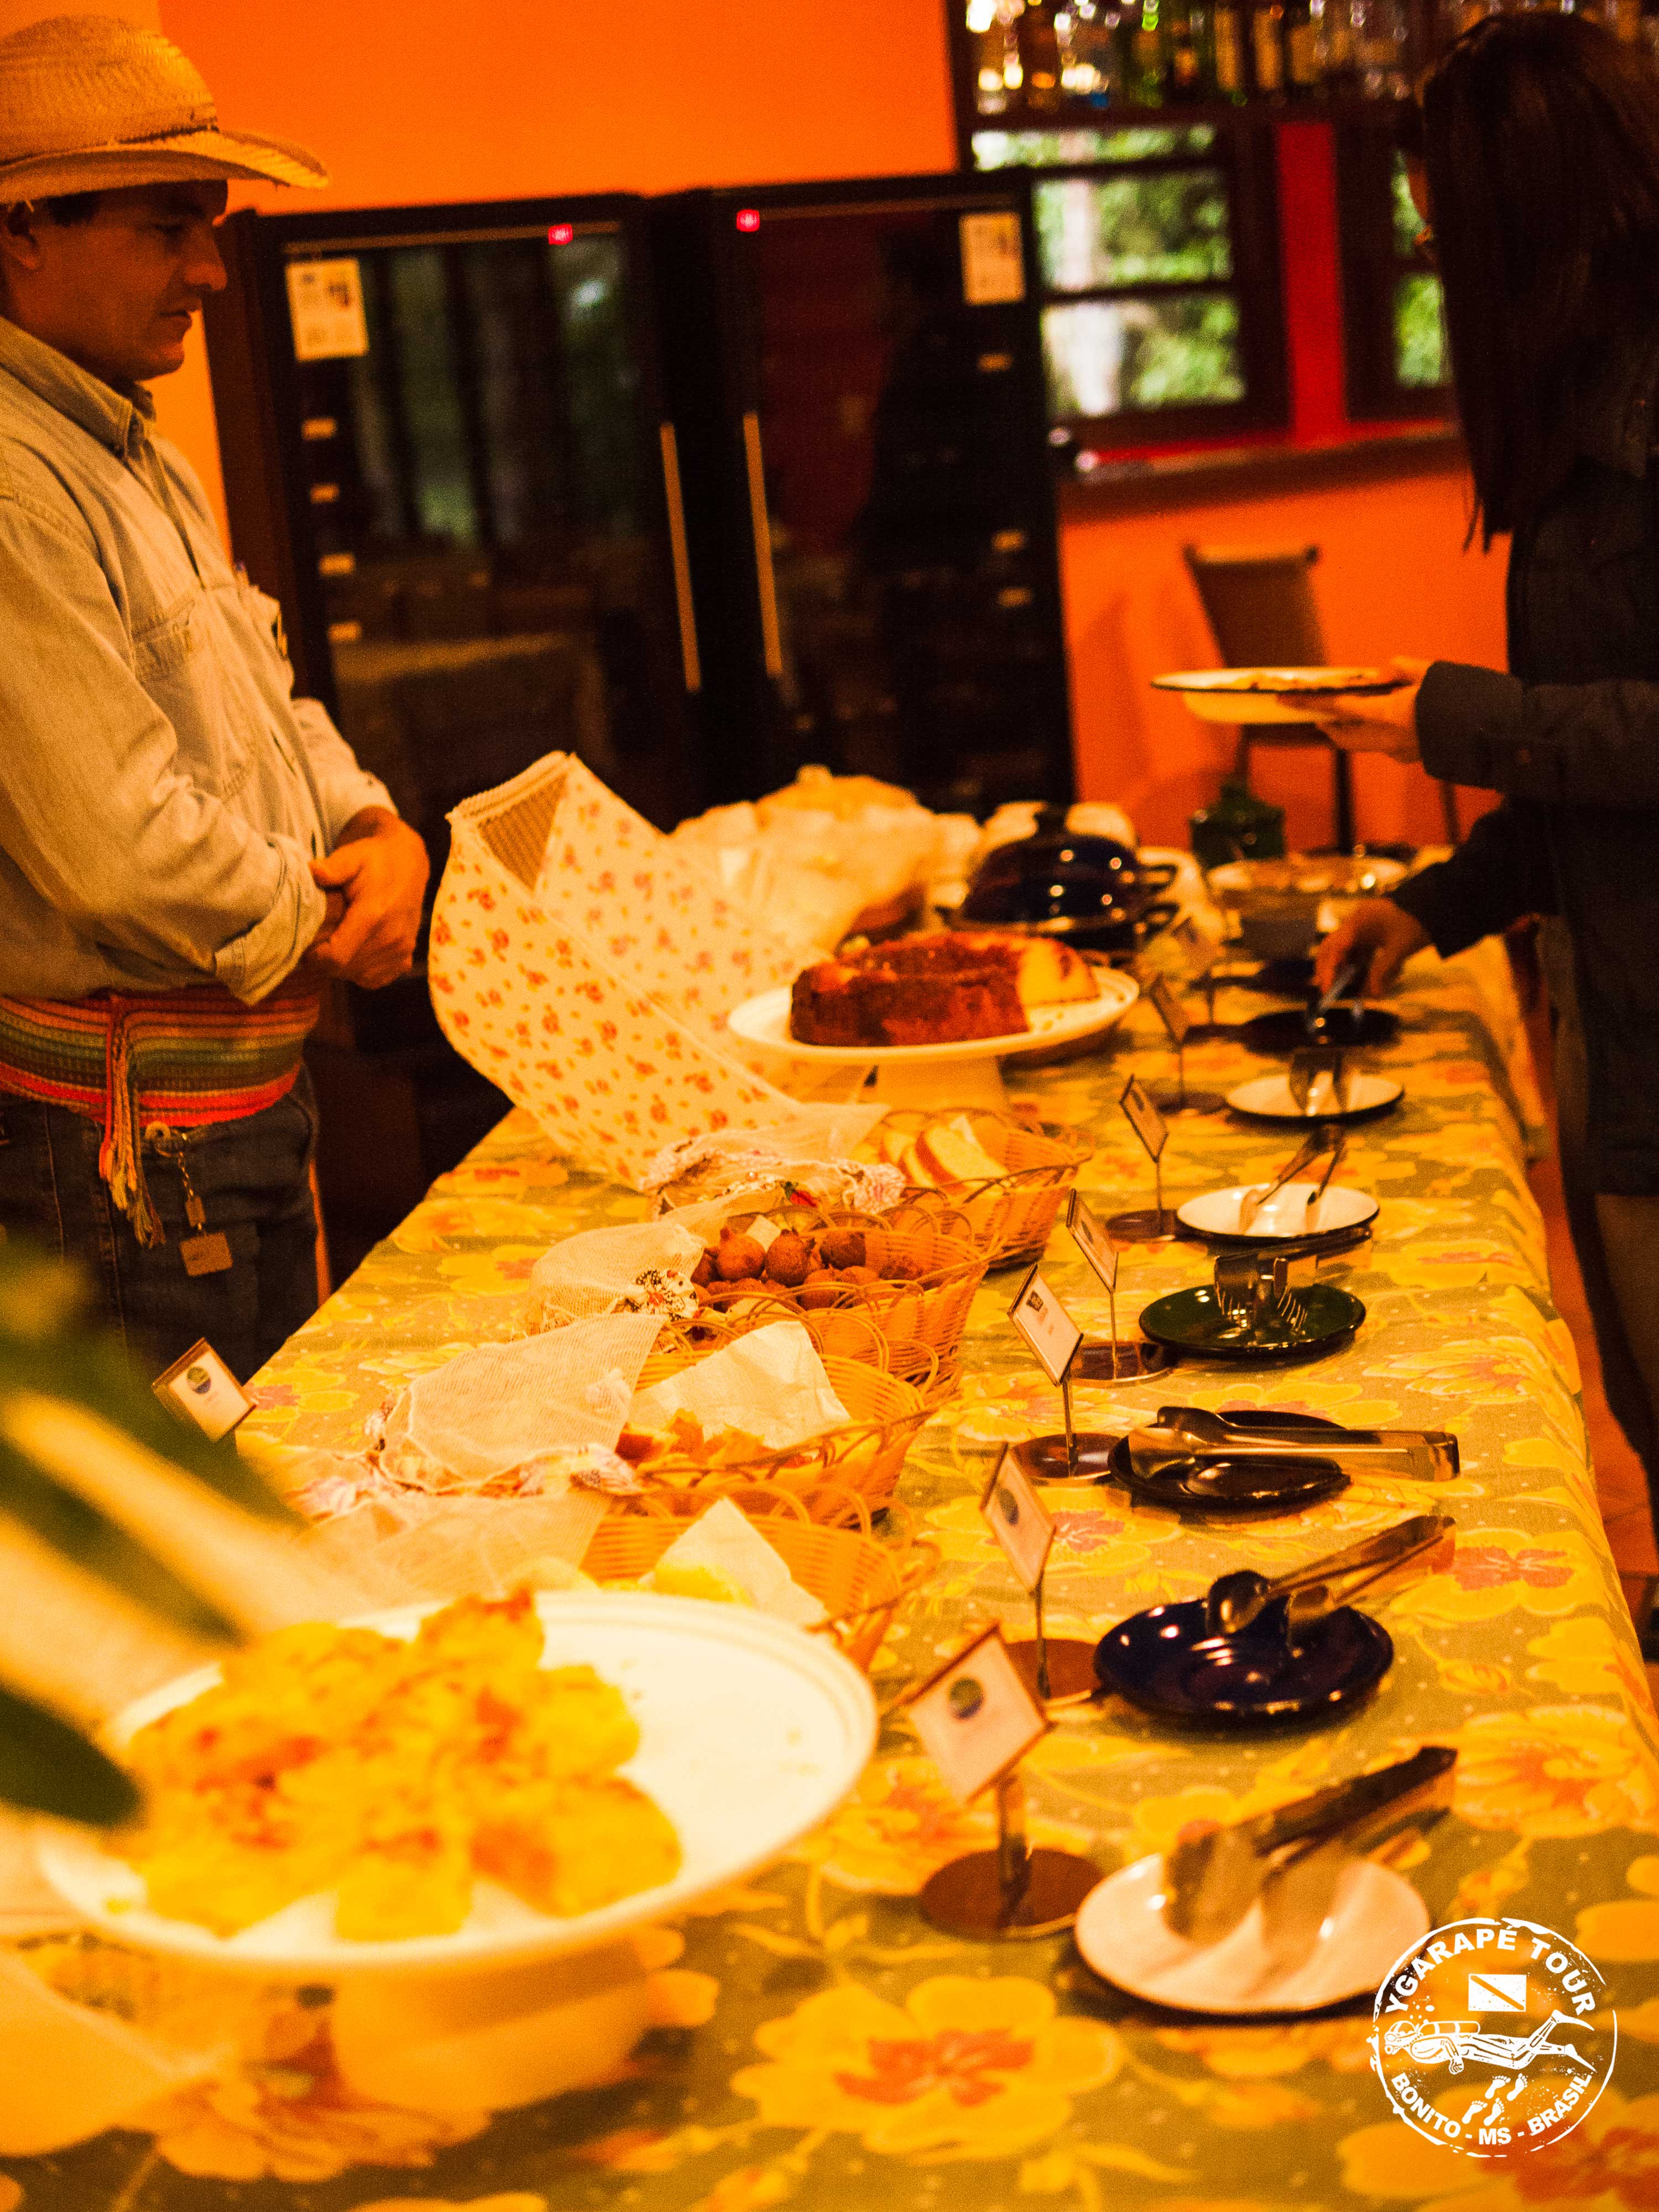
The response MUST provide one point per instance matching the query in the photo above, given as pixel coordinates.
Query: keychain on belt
(204, 1252)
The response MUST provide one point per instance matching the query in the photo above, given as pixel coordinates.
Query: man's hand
(1376, 927)
(376, 877)
(1384, 722)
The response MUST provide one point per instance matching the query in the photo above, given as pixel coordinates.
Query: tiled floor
(1620, 1484)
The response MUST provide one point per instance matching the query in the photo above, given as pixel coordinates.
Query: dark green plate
(1192, 1321)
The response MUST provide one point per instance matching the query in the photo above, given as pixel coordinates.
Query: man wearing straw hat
(184, 848)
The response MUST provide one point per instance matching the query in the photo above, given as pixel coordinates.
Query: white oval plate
(1250, 695)
(1339, 879)
(751, 1733)
(765, 1020)
(1313, 1957)
(1285, 1214)
(1269, 1098)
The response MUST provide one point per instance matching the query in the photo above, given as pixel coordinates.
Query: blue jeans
(253, 1178)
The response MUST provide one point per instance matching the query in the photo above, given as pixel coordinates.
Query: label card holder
(1018, 1519)
(1143, 1118)
(1049, 1330)
(1170, 1011)
(201, 1391)
(976, 1717)
(1089, 1234)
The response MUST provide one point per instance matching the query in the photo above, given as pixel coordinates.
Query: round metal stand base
(1098, 1361)
(966, 1899)
(1146, 1224)
(1170, 1102)
(1072, 1677)
(1045, 1459)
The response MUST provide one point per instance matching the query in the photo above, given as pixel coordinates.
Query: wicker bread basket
(926, 1305)
(1009, 1217)
(859, 1581)
(885, 1413)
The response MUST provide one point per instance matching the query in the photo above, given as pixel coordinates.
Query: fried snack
(685, 1440)
(738, 1258)
(394, 1773)
(788, 1259)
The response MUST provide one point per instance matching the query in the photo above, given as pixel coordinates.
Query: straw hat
(92, 103)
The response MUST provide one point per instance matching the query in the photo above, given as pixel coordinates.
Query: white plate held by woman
(1286, 1214)
(1330, 1930)
(1255, 695)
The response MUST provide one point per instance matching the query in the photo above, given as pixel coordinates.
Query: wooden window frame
(1371, 265)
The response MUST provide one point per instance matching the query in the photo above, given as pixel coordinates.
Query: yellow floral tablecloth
(819, 2046)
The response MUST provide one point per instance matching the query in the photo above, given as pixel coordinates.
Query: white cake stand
(965, 1073)
(751, 1733)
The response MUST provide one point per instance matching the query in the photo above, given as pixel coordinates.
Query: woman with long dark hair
(1535, 158)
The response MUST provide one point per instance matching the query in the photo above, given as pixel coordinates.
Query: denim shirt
(161, 790)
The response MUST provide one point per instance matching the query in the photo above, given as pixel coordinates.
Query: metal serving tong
(1319, 1079)
(1341, 985)
(1421, 1545)
(1253, 1288)
(1255, 1198)
(1190, 1432)
(1213, 1874)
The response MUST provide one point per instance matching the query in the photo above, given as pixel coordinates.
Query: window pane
(1106, 355)
(1062, 149)
(1419, 337)
(1166, 228)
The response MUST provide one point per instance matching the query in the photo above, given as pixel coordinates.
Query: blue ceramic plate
(1165, 1661)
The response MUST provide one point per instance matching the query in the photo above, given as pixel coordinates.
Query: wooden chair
(1260, 604)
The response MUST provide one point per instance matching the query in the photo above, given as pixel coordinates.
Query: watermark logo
(1486, 2036)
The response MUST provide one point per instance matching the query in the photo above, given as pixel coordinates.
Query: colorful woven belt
(185, 1059)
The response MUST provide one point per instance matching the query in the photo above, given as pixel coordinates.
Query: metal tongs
(1254, 1289)
(1319, 1080)
(1340, 985)
(1255, 1198)
(1237, 1600)
(1191, 1432)
(1213, 1874)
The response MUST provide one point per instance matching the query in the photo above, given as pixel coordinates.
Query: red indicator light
(561, 233)
(748, 218)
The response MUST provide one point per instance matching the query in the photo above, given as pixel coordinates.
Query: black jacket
(1572, 740)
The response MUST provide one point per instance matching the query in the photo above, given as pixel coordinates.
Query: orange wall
(424, 100)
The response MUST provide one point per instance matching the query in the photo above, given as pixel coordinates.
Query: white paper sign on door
(325, 306)
(993, 258)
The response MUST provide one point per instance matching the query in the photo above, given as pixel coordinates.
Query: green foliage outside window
(1420, 336)
(1106, 356)
(1168, 228)
(1407, 223)
(1063, 150)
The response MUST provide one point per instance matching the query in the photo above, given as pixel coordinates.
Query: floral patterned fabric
(817, 2044)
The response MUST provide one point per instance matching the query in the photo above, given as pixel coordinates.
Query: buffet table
(818, 2043)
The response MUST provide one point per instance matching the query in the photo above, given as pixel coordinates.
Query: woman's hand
(1384, 722)
(1378, 928)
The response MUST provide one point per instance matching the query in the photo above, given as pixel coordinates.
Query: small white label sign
(1148, 1124)
(1046, 1326)
(976, 1717)
(1199, 952)
(200, 1388)
(1170, 1011)
(1091, 1240)
(325, 306)
(993, 258)
(1018, 1519)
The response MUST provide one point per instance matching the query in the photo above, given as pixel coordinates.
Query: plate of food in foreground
(1272, 694)
(467, 1786)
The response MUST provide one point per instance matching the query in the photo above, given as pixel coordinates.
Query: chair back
(1260, 604)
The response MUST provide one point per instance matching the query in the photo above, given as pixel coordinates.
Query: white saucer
(1337, 1925)
(962, 1071)
(1269, 1098)
(1286, 1214)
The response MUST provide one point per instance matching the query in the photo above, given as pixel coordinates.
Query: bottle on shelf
(1302, 77)
(1267, 48)
(1336, 40)
(1382, 49)
(1089, 54)
(1146, 78)
(987, 41)
(1189, 55)
(1229, 31)
(1039, 53)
